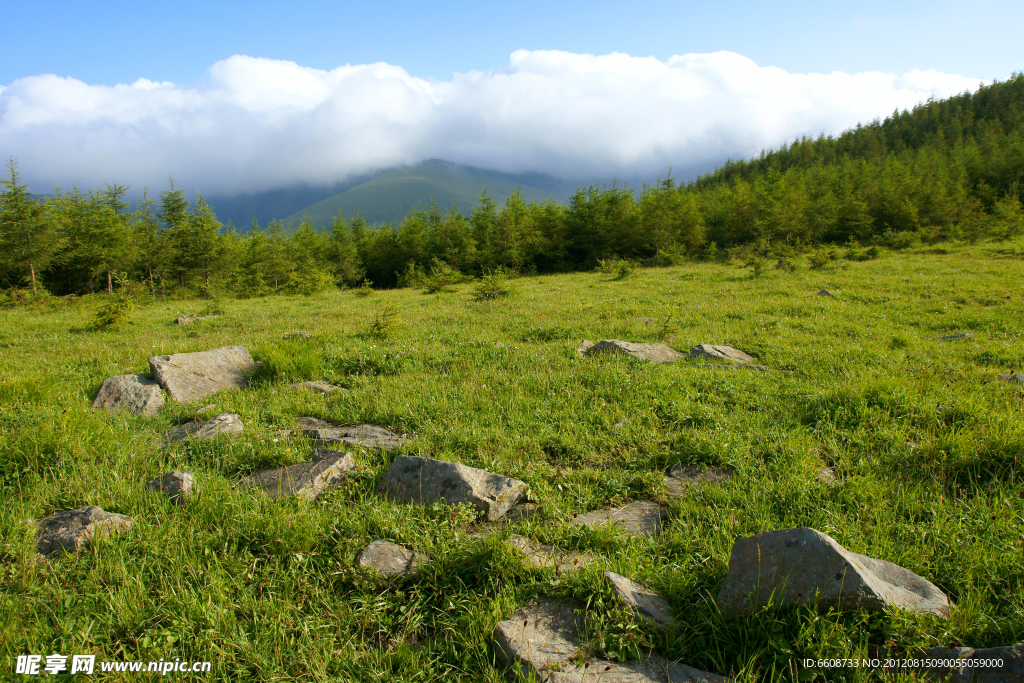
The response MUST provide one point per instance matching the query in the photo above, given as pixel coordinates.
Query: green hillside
(390, 196)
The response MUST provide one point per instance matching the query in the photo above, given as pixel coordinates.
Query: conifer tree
(28, 239)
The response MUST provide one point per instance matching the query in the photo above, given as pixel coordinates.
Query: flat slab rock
(317, 386)
(804, 565)
(646, 604)
(192, 376)
(135, 393)
(178, 486)
(967, 660)
(681, 477)
(69, 531)
(639, 518)
(389, 559)
(655, 353)
(716, 352)
(540, 556)
(413, 479)
(541, 638)
(367, 436)
(198, 430)
(306, 480)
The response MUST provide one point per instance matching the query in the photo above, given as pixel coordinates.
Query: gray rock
(367, 436)
(656, 353)
(317, 386)
(198, 430)
(952, 337)
(646, 604)
(192, 376)
(682, 477)
(388, 559)
(540, 556)
(178, 486)
(651, 669)
(305, 479)
(413, 479)
(722, 366)
(646, 321)
(71, 530)
(1012, 378)
(639, 518)
(205, 410)
(136, 393)
(584, 347)
(825, 475)
(825, 292)
(189, 319)
(966, 664)
(721, 353)
(805, 566)
(524, 511)
(540, 639)
(297, 335)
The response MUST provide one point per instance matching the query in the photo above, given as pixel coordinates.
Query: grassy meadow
(925, 442)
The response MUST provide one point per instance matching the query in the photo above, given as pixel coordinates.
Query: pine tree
(28, 238)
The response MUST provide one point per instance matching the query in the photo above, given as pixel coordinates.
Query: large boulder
(389, 559)
(136, 393)
(639, 518)
(805, 566)
(413, 479)
(647, 605)
(69, 531)
(178, 486)
(368, 436)
(305, 479)
(716, 352)
(540, 640)
(199, 430)
(656, 353)
(192, 376)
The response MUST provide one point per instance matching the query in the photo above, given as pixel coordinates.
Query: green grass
(926, 442)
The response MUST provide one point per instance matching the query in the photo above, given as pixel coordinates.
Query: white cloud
(261, 123)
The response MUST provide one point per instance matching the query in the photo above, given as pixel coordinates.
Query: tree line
(946, 169)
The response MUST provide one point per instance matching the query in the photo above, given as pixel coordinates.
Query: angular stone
(317, 386)
(136, 393)
(682, 477)
(388, 558)
(368, 436)
(540, 556)
(656, 353)
(651, 669)
(721, 353)
(198, 430)
(804, 566)
(69, 531)
(639, 518)
(412, 479)
(952, 337)
(1012, 378)
(646, 604)
(176, 485)
(584, 347)
(539, 637)
(305, 479)
(722, 366)
(192, 376)
(188, 319)
(825, 292)
(297, 335)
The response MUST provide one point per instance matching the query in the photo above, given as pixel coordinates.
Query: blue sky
(238, 96)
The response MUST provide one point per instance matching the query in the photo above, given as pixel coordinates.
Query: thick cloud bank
(260, 123)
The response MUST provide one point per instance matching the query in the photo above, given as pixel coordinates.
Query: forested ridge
(948, 169)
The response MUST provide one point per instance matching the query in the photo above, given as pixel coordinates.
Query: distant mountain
(388, 197)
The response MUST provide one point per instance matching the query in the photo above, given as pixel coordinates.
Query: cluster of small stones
(794, 566)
